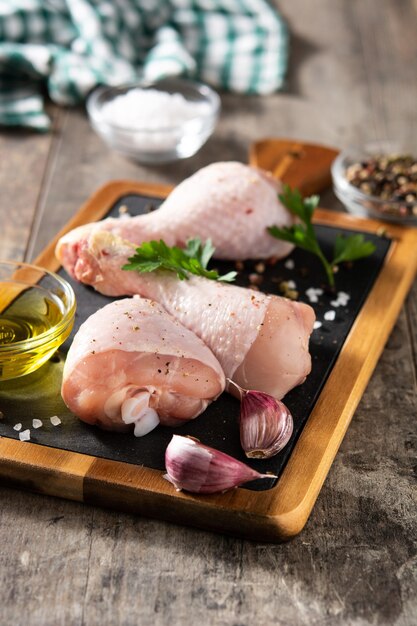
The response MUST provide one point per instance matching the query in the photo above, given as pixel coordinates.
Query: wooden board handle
(302, 165)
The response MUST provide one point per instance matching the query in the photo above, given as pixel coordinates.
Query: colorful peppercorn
(389, 177)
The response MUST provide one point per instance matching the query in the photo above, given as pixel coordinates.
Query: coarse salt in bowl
(155, 122)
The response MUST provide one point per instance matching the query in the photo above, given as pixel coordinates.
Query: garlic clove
(197, 468)
(266, 425)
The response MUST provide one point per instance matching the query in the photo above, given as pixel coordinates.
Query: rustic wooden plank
(24, 159)
(389, 63)
(44, 561)
(354, 562)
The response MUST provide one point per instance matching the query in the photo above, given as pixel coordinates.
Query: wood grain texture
(24, 161)
(352, 77)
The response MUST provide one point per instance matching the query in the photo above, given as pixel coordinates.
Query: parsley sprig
(303, 235)
(193, 259)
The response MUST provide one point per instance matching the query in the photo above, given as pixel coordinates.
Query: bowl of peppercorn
(378, 180)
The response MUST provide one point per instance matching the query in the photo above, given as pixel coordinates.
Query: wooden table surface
(352, 77)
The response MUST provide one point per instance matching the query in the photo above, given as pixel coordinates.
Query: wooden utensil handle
(299, 164)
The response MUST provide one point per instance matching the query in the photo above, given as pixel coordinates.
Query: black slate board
(38, 395)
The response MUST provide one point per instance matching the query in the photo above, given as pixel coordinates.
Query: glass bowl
(366, 204)
(172, 129)
(37, 310)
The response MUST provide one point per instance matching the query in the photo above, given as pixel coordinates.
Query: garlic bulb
(199, 469)
(266, 424)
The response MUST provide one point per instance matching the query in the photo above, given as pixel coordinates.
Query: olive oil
(31, 327)
(32, 313)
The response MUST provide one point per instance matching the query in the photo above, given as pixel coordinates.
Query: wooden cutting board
(274, 514)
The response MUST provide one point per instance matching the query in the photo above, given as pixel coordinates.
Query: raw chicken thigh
(261, 341)
(133, 363)
(230, 203)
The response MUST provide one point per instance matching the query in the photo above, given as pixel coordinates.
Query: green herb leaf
(193, 259)
(202, 253)
(297, 205)
(304, 236)
(352, 248)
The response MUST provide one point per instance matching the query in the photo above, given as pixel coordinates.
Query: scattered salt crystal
(289, 264)
(24, 435)
(37, 423)
(341, 300)
(17, 427)
(329, 316)
(312, 294)
(317, 324)
(291, 284)
(55, 421)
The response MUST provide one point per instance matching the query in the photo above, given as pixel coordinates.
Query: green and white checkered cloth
(70, 46)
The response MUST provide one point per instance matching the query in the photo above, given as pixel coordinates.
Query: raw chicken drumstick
(230, 203)
(261, 341)
(133, 363)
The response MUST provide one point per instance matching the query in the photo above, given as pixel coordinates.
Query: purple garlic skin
(197, 468)
(266, 425)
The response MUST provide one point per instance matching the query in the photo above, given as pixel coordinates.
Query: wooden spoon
(302, 165)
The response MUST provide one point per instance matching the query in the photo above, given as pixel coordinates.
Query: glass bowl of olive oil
(37, 310)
